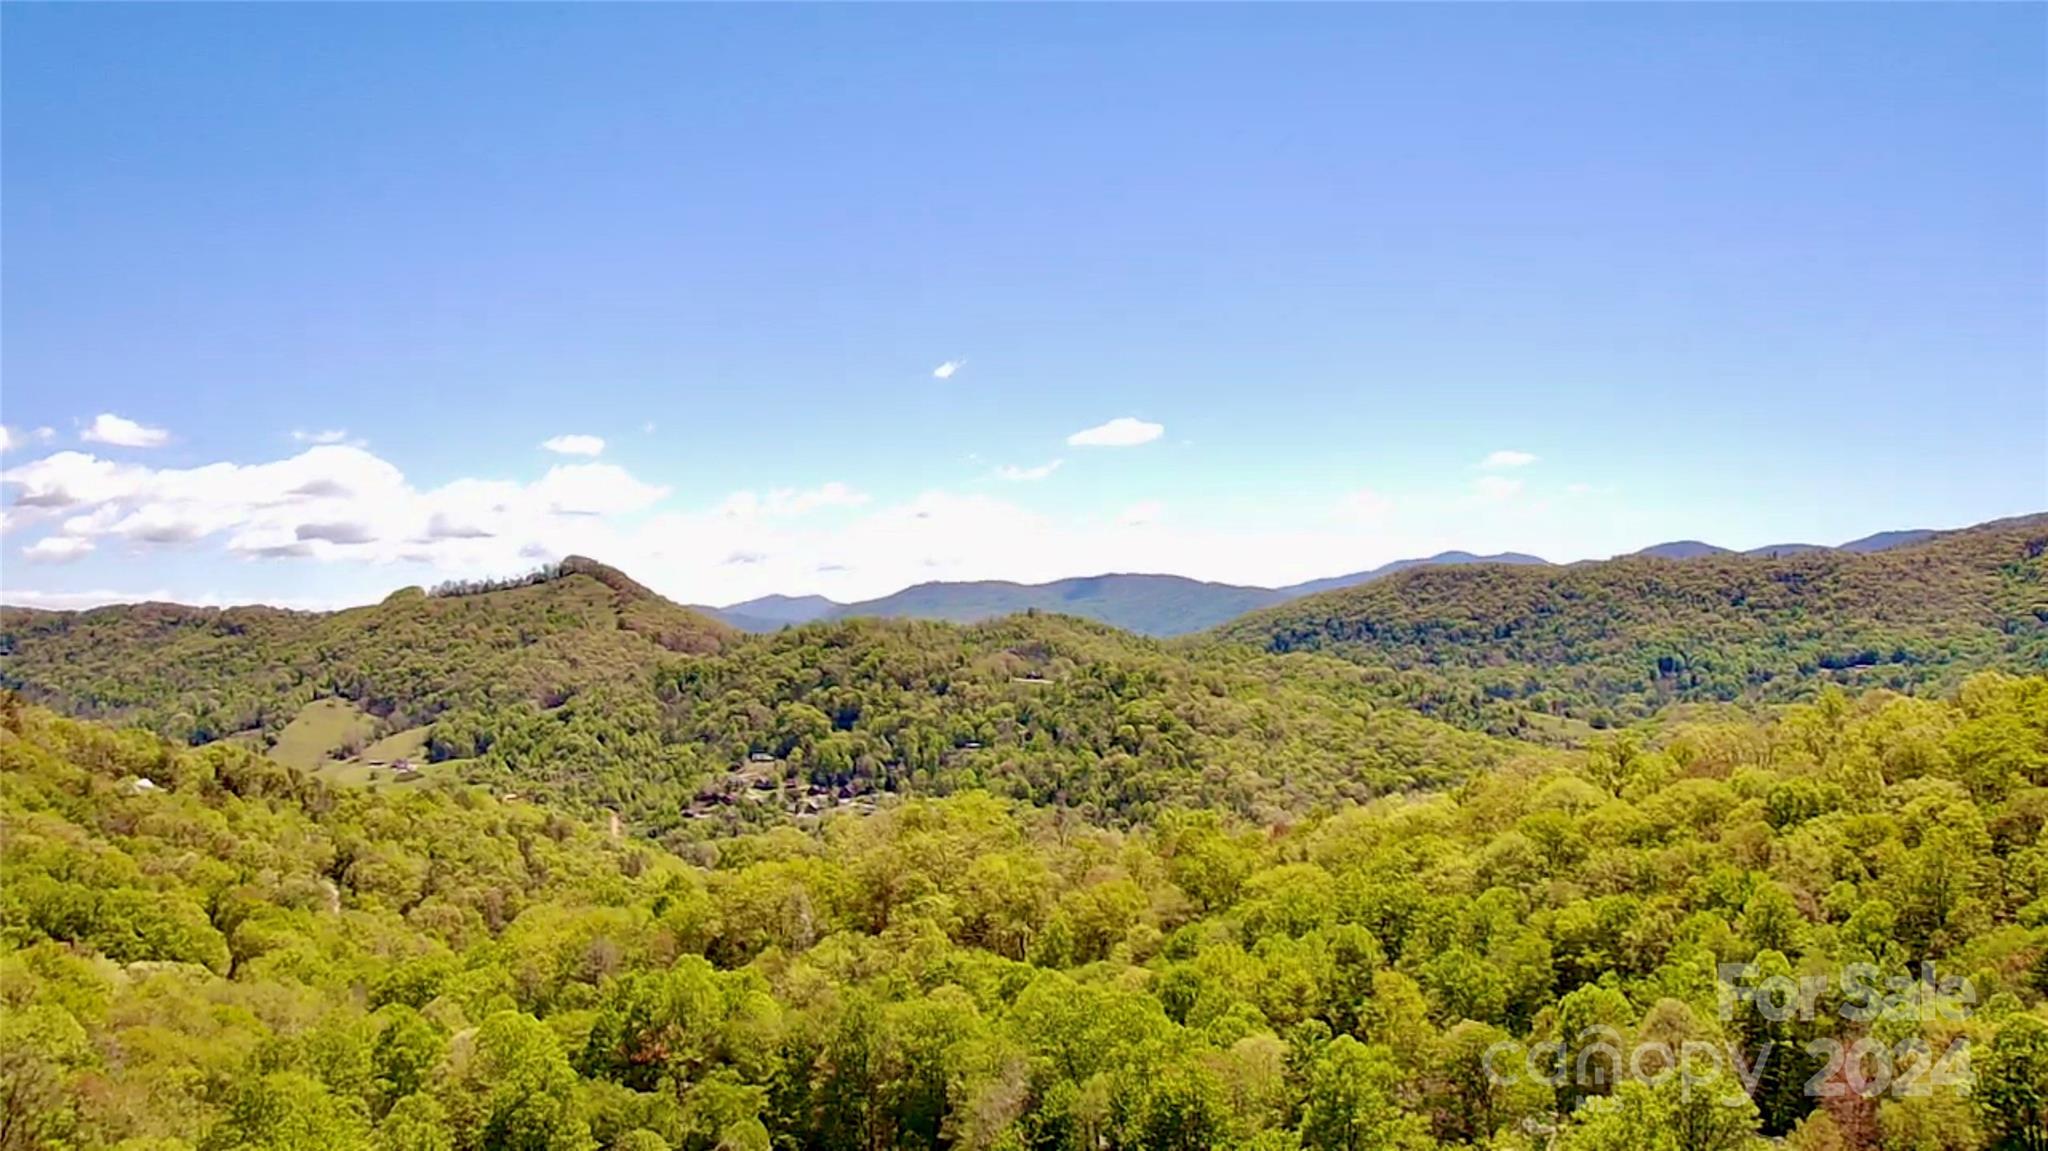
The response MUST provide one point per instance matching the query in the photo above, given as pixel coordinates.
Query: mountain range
(581, 683)
(1170, 605)
(1617, 639)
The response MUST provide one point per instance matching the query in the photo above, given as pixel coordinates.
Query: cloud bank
(84, 520)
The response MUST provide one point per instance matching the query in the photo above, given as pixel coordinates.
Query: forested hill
(1616, 639)
(198, 674)
(578, 687)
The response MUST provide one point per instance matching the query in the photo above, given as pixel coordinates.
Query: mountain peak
(605, 574)
(1885, 541)
(1440, 559)
(1681, 550)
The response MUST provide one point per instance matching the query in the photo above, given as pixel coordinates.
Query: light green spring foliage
(241, 957)
(1615, 641)
(561, 690)
(581, 687)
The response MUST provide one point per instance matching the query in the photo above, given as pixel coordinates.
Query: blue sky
(1745, 273)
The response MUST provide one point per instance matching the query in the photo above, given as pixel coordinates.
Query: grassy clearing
(1557, 730)
(408, 744)
(319, 728)
(356, 773)
(374, 764)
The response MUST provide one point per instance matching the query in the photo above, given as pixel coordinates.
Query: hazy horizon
(91, 598)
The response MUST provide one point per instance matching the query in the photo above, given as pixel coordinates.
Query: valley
(1024, 577)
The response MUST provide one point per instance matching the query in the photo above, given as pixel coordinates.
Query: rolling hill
(581, 687)
(1680, 550)
(1621, 637)
(1775, 551)
(1885, 541)
(1441, 559)
(772, 612)
(204, 673)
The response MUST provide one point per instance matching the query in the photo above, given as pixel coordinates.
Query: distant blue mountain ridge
(1168, 605)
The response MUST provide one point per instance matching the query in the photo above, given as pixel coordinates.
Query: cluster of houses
(758, 782)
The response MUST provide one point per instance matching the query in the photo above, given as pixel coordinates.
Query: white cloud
(595, 490)
(1141, 514)
(1122, 432)
(328, 502)
(1015, 474)
(785, 502)
(108, 428)
(370, 528)
(325, 436)
(57, 549)
(1496, 488)
(648, 427)
(945, 371)
(575, 445)
(1505, 459)
(68, 479)
(11, 439)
